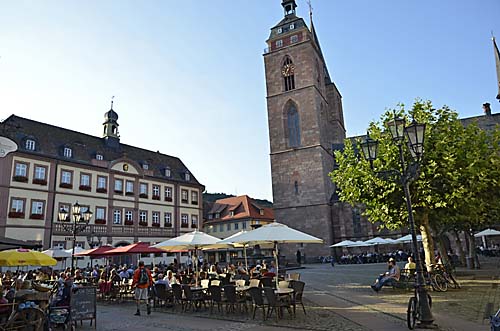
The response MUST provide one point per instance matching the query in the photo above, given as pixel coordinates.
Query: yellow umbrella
(25, 257)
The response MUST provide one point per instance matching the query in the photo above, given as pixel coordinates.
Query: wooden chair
(294, 276)
(193, 300)
(240, 282)
(215, 282)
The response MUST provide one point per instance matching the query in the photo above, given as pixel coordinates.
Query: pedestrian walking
(142, 281)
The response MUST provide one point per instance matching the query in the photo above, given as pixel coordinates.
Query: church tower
(110, 134)
(305, 121)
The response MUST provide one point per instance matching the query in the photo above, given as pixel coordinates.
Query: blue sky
(188, 76)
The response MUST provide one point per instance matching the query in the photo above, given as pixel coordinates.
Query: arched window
(287, 71)
(293, 124)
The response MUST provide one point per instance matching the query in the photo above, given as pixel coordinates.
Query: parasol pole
(276, 259)
(245, 254)
(196, 265)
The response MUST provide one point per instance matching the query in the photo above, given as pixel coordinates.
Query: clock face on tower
(287, 70)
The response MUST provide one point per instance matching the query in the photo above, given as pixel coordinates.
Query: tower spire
(310, 13)
(112, 102)
(497, 64)
(289, 7)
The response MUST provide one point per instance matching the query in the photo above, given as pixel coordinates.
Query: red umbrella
(95, 252)
(137, 248)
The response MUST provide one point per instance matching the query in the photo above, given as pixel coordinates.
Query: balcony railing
(116, 230)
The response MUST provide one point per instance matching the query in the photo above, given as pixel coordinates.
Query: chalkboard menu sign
(83, 304)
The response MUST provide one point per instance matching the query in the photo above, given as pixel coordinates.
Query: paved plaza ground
(338, 298)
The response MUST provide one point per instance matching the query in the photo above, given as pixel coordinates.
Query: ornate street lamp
(77, 224)
(414, 133)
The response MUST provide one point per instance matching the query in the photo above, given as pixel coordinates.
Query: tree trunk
(458, 242)
(427, 241)
(471, 259)
(442, 249)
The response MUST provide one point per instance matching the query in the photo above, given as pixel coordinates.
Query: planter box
(129, 222)
(22, 179)
(156, 225)
(184, 225)
(118, 192)
(99, 221)
(143, 195)
(184, 201)
(168, 225)
(39, 181)
(129, 194)
(85, 188)
(36, 216)
(143, 223)
(15, 214)
(65, 185)
(169, 199)
(156, 197)
(101, 190)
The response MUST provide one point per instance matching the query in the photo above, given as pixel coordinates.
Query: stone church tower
(305, 122)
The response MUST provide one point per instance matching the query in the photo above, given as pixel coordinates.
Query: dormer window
(217, 215)
(99, 157)
(187, 176)
(279, 43)
(280, 30)
(68, 152)
(30, 145)
(168, 173)
(231, 213)
(210, 216)
(292, 26)
(261, 212)
(145, 166)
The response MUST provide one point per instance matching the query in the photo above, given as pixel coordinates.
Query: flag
(497, 63)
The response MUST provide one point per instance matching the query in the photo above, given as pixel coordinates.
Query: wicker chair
(258, 301)
(298, 290)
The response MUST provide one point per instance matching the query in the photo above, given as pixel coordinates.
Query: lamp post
(414, 134)
(93, 243)
(77, 224)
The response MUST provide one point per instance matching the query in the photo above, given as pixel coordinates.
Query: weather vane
(112, 102)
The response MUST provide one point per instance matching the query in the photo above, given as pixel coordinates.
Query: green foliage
(458, 186)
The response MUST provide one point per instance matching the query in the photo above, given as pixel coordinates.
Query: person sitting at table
(241, 269)
(78, 275)
(124, 273)
(170, 278)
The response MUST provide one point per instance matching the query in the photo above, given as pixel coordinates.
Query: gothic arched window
(288, 74)
(293, 123)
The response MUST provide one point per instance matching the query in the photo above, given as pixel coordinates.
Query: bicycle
(413, 312)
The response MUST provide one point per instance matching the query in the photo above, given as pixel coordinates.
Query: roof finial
(310, 10)
(112, 102)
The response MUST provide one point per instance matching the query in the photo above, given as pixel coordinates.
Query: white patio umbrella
(391, 241)
(191, 241)
(57, 253)
(407, 239)
(276, 233)
(229, 243)
(78, 250)
(360, 243)
(378, 241)
(343, 243)
(486, 233)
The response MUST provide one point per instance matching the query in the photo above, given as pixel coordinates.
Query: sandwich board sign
(7, 146)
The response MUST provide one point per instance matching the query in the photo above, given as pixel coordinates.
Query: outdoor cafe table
(283, 291)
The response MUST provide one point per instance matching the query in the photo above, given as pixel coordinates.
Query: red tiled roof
(243, 207)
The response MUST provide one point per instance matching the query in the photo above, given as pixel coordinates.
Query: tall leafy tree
(450, 191)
